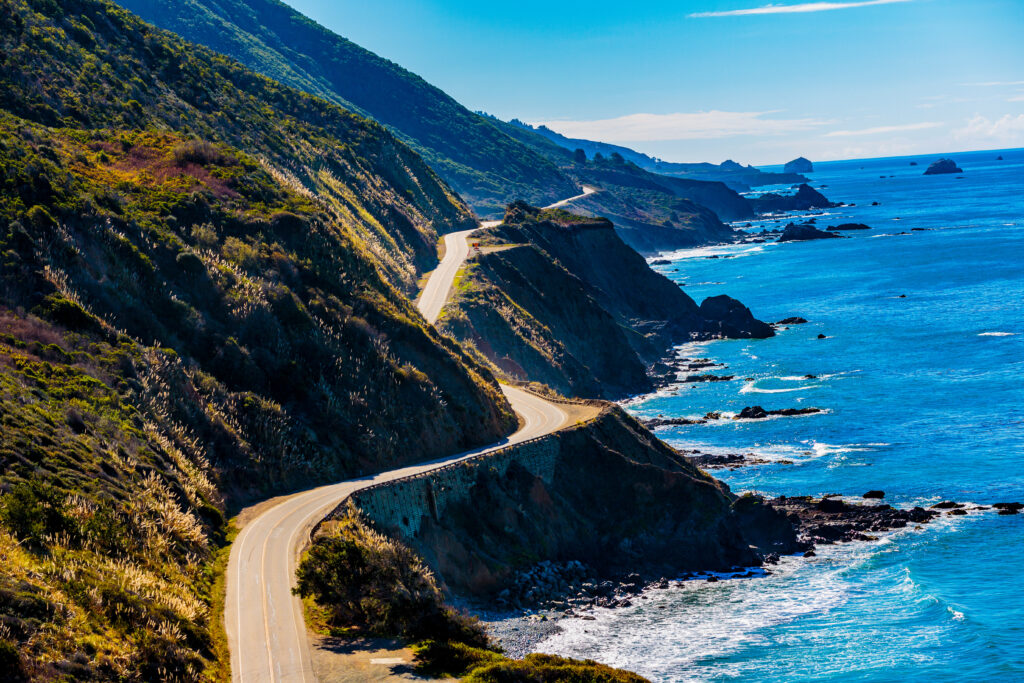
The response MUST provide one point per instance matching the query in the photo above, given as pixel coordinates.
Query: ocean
(920, 378)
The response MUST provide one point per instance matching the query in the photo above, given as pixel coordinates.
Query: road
(439, 286)
(266, 631)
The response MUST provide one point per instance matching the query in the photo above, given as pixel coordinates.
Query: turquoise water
(924, 400)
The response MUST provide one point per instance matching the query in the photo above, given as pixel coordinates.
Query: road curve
(439, 285)
(265, 627)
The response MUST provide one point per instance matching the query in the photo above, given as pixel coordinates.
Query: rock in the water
(752, 413)
(875, 494)
(913, 163)
(732, 319)
(943, 166)
(821, 336)
(999, 158)
(804, 232)
(799, 165)
(795, 320)
(849, 226)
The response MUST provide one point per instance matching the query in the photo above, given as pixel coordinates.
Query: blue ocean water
(924, 400)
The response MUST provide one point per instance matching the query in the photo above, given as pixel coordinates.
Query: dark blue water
(923, 399)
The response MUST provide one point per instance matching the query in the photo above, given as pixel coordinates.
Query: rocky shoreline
(530, 609)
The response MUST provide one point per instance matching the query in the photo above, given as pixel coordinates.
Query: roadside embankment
(604, 492)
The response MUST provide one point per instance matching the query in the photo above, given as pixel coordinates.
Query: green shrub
(40, 217)
(371, 582)
(446, 659)
(538, 668)
(10, 662)
(33, 511)
(456, 660)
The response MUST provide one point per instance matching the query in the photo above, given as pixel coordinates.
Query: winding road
(265, 627)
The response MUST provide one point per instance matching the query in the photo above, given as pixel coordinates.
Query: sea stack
(804, 232)
(799, 165)
(943, 166)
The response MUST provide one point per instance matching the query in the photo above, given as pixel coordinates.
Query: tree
(579, 156)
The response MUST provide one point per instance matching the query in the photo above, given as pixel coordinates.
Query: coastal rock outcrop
(759, 413)
(562, 499)
(561, 299)
(799, 165)
(804, 199)
(943, 166)
(848, 226)
(832, 520)
(727, 317)
(803, 232)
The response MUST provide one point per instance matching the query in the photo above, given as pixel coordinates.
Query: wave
(997, 334)
(736, 250)
(749, 388)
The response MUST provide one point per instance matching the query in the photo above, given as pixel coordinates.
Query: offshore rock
(804, 232)
(943, 166)
(799, 165)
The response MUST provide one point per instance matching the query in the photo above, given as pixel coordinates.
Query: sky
(707, 80)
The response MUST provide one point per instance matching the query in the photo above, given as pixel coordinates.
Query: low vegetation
(363, 582)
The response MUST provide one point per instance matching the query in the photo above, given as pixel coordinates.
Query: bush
(537, 668)
(446, 659)
(202, 153)
(33, 511)
(40, 217)
(10, 662)
(369, 581)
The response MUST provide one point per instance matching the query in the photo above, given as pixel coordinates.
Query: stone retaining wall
(400, 505)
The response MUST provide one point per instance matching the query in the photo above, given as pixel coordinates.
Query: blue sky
(706, 80)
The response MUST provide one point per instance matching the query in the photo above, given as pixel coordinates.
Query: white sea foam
(997, 334)
(750, 388)
(736, 250)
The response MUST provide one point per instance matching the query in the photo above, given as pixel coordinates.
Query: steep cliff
(560, 298)
(606, 493)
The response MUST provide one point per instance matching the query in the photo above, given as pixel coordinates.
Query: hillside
(560, 299)
(98, 78)
(651, 212)
(198, 307)
(562, 500)
(484, 165)
(737, 176)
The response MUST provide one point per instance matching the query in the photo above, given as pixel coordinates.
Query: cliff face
(576, 308)
(533, 320)
(606, 493)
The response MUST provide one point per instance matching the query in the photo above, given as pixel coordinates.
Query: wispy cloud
(796, 9)
(1007, 130)
(1016, 98)
(992, 84)
(924, 125)
(682, 126)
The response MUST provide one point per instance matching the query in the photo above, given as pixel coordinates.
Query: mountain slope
(736, 176)
(561, 299)
(196, 309)
(483, 164)
(651, 212)
(321, 149)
